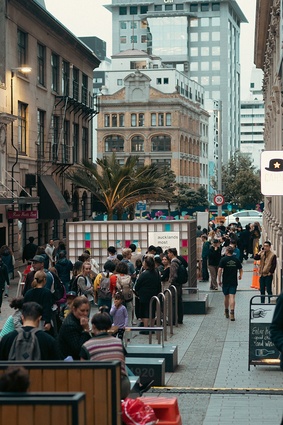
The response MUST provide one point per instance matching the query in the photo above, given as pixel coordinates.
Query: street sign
(219, 200)
(141, 206)
(272, 173)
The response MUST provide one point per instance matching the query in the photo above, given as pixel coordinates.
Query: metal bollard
(176, 304)
(162, 296)
(168, 296)
(158, 317)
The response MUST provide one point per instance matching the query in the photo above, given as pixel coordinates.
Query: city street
(212, 382)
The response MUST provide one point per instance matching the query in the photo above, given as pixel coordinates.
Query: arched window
(161, 143)
(137, 144)
(114, 143)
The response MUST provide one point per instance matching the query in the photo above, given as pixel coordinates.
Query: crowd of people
(58, 295)
(221, 251)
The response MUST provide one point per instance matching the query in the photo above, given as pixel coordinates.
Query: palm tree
(118, 186)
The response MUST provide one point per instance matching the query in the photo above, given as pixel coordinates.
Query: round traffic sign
(219, 199)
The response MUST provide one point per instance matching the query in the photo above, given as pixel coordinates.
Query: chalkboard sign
(262, 351)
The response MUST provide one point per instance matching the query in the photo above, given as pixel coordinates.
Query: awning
(52, 203)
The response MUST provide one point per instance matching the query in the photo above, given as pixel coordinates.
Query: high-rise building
(252, 120)
(199, 38)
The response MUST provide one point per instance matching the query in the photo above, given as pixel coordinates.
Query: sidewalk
(213, 354)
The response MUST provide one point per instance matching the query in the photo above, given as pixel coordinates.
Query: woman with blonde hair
(41, 295)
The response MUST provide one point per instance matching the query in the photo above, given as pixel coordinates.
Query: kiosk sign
(164, 239)
(262, 351)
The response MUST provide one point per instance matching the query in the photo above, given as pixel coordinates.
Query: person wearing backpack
(104, 285)
(29, 342)
(176, 280)
(85, 283)
(124, 286)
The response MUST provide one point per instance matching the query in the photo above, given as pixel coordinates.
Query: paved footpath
(213, 353)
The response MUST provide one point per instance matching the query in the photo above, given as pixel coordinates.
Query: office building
(252, 120)
(198, 38)
(156, 113)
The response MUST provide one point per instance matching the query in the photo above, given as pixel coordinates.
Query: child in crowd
(120, 315)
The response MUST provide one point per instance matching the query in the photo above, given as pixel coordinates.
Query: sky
(90, 18)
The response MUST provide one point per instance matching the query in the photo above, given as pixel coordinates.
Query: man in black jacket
(29, 250)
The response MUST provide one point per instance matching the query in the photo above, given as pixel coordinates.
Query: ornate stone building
(45, 123)
(268, 57)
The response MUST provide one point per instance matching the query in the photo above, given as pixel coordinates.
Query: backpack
(25, 346)
(103, 291)
(74, 286)
(182, 274)
(58, 288)
(125, 287)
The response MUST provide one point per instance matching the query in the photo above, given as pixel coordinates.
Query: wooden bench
(42, 408)
(99, 381)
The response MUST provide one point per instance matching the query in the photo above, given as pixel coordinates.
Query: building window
(114, 143)
(143, 24)
(133, 25)
(41, 64)
(215, 36)
(193, 23)
(179, 6)
(165, 80)
(133, 10)
(204, 66)
(204, 36)
(123, 25)
(158, 81)
(194, 51)
(161, 143)
(215, 65)
(84, 89)
(141, 120)
(162, 162)
(143, 39)
(134, 38)
(144, 9)
(114, 120)
(215, 80)
(76, 74)
(22, 127)
(55, 120)
(153, 120)
(194, 66)
(123, 39)
(119, 82)
(22, 48)
(40, 132)
(158, 8)
(204, 22)
(204, 7)
(76, 142)
(66, 142)
(65, 78)
(161, 119)
(215, 22)
(194, 7)
(194, 37)
(215, 7)
(168, 7)
(168, 119)
(204, 51)
(137, 143)
(85, 150)
(106, 120)
(121, 120)
(215, 51)
(123, 10)
(133, 120)
(55, 72)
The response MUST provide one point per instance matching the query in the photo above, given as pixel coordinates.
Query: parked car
(245, 217)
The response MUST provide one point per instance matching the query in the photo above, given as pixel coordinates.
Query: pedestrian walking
(227, 278)
(204, 258)
(214, 257)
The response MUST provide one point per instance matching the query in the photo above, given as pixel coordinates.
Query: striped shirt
(104, 348)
